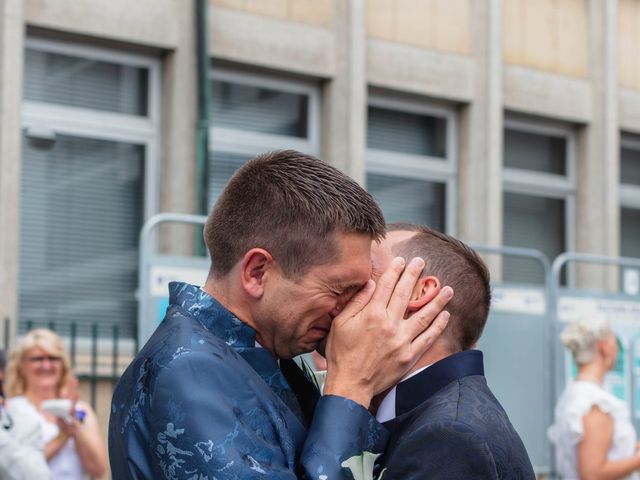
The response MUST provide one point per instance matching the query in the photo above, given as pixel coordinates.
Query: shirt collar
(212, 314)
(417, 387)
(387, 409)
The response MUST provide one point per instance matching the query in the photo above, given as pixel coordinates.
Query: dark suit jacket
(450, 426)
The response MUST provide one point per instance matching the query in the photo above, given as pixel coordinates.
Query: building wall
(547, 35)
(548, 60)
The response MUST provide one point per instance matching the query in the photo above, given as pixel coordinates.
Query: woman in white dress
(40, 370)
(592, 433)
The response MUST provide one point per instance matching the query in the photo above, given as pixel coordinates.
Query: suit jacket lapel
(305, 390)
(417, 389)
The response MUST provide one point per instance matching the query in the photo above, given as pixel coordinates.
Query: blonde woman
(40, 370)
(593, 434)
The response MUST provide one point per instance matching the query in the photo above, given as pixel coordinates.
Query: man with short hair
(214, 392)
(444, 422)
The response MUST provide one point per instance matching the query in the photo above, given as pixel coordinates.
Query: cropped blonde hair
(581, 337)
(48, 341)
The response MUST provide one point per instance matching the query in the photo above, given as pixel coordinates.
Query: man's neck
(439, 350)
(229, 295)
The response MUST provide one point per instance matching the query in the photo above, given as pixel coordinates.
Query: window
(411, 167)
(252, 114)
(539, 194)
(89, 162)
(630, 196)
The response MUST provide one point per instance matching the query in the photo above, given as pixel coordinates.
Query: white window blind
(259, 109)
(539, 190)
(90, 121)
(409, 200)
(630, 196)
(410, 161)
(531, 151)
(630, 166)
(81, 213)
(222, 166)
(406, 132)
(532, 222)
(252, 114)
(84, 82)
(630, 232)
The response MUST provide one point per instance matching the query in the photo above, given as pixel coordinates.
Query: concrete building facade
(504, 122)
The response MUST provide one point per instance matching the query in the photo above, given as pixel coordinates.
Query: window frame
(244, 142)
(547, 185)
(629, 194)
(423, 167)
(89, 123)
(52, 119)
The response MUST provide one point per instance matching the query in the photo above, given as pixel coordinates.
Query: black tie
(304, 389)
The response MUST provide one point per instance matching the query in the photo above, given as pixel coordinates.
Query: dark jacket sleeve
(208, 420)
(342, 433)
(440, 450)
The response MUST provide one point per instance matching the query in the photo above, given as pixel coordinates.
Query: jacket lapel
(305, 390)
(417, 389)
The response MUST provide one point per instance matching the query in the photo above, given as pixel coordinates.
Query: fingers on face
(359, 300)
(404, 288)
(387, 282)
(420, 321)
(425, 339)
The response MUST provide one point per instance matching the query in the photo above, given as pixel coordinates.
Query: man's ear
(255, 264)
(425, 290)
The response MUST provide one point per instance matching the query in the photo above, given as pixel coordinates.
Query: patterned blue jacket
(200, 401)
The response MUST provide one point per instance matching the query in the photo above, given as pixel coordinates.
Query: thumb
(359, 300)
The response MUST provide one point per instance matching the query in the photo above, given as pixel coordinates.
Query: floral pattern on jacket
(201, 401)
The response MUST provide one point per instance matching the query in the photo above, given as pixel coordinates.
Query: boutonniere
(361, 466)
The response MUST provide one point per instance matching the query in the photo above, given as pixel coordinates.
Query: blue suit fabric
(449, 425)
(201, 401)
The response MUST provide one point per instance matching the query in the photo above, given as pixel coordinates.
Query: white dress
(66, 464)
(566, 433)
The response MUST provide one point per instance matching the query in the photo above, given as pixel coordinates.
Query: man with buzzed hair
(214, 393)
(443, 419)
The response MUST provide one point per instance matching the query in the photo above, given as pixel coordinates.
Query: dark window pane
(630, 233)
(257, 109)
(630, 166)
(531, 151)
(405, 132)
(409, 200)
(81, 215)
(222, 166)
(532, 222)
(82, 82)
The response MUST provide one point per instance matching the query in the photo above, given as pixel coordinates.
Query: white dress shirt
(387, 408)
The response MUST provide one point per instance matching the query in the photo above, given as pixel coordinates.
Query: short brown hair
(455, 264)
(289, 204)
